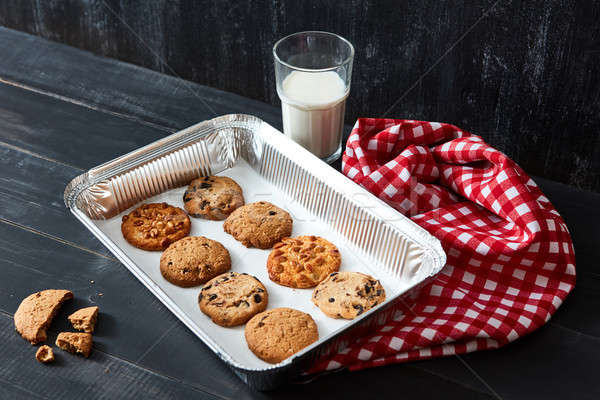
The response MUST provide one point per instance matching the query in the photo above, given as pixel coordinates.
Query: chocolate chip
(257, 298)
(333, 274)
(331, 299)
(259, 290)
(224, 279)
(186, 270)
(200, 296)
(373, 282)
(367, 289)
(272, 213)
(206, 287)
(206, 178)
(260, 324)
(204, 204)
(359, 308)
(212, 297)
(205, 244)
(205, 185)
(378, 292)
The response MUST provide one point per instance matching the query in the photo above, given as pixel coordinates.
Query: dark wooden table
(63, 111)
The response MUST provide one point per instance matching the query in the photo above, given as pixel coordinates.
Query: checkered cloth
(510, 261)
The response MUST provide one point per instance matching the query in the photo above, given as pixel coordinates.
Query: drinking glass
(312, 72)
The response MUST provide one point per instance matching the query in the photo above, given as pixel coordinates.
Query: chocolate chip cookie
(231, 299)
(155, 226)
(260, 224)
(36, 311)
(194, 260)
(348, 294)
(302, 262)
(212, 197)
(276, 334)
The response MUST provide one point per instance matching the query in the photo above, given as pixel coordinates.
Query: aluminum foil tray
(371, 236)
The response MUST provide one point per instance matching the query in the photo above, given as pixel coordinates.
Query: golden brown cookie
(260, 224)
(212, 197)
(231, 299)
(303, 261)
(155, 226)
(194, 260)
(85, 319)
(36, 311)
(276, 334)
(44, 354)
(76, 343)
(348, 294)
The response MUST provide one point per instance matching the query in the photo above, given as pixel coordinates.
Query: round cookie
(348, 294)
(276, 334)
(194, 260)
(155, 226)
(231, 299)
(260, 224)
(212, 197)
(302, 262)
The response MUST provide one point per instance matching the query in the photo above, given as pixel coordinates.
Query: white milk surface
(252, 261)
(312, 107)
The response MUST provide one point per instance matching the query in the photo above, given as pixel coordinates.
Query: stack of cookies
(231, 298)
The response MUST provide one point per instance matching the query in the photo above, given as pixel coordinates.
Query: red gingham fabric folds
(510, 257)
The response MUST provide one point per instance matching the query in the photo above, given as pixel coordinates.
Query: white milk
(312, 105)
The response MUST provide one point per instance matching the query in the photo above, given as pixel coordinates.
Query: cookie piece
(85, 319)
(212, 197)
(260, 224)
(231, 299)
(155, 226)
(194, 260)
(76, 343)
(348, 294)
(276, 334)
(303, 262)
(44, 354)
(36, 311)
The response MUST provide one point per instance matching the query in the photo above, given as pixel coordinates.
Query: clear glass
(313, 71)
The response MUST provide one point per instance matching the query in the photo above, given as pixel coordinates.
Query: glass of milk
(312, 72)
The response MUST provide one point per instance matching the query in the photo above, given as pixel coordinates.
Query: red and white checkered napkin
(510, 257)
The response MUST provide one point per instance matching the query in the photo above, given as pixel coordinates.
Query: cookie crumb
(44, 354)
(85, 319)
(76, 343)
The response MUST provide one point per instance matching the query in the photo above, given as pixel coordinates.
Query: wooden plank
(70, 376)
(31, 195)
(65, 132)
(124, 89)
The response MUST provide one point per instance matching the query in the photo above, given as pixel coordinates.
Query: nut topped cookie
(212, 197)
(259, 224)
(232, 299)
(155, 226)
(348, 294)
(277, 334)
(194, 260)
(303, 261)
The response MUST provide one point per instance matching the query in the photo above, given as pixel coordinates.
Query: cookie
(194, 260)
(302, 262)
(44, 354)
(231, 299)
(36, 311)
(76, 343)
(276, 334)
(348, 294)
(212, 197)
(260, 224)
(155, 226)
(85, 319)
